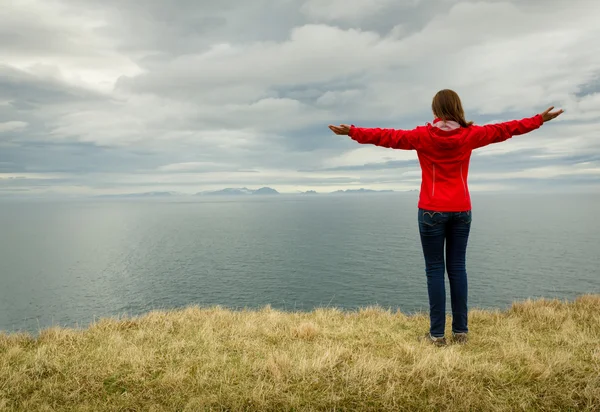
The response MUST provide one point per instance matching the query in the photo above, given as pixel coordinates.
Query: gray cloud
(28, 91)
(392, 164)
(100, 96)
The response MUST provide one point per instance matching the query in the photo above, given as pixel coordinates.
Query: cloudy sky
(121, 96)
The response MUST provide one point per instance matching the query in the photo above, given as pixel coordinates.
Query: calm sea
(68, 263)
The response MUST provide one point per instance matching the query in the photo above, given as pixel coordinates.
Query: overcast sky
(121, 96)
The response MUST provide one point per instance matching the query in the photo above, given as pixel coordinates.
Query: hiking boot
(441, 341)
(459, 338)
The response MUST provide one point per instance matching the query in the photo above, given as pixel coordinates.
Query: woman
(444, 150)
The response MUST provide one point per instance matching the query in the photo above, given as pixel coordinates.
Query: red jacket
(444, 156)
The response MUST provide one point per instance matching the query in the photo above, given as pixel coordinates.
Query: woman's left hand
(342, 129)
(549, 114)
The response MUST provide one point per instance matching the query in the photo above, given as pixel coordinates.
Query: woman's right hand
(342, 129)
(549, 114)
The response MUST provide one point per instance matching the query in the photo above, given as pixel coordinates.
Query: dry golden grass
(538, 355)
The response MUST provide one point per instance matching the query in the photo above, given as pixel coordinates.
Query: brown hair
(447, 106)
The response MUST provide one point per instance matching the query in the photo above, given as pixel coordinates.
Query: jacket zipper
(463, 180)
(433, 188)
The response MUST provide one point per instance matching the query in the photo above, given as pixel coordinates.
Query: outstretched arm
(494, 133)
(392, 138)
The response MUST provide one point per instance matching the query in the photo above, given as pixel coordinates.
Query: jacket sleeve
(392, 138)
(495, 133)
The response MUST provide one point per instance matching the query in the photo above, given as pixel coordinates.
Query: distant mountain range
(359, 191)
(240, 192)
(137, 195)
(263, 191)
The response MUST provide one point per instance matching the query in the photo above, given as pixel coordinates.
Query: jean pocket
(465, 217)
(431, 218)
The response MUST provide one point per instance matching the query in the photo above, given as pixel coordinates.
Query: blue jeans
(451, 228)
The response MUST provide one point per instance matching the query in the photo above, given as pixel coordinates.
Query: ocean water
(69, 263)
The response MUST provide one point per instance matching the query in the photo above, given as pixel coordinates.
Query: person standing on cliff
(444, 210)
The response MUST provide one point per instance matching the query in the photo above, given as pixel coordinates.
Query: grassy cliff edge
(537, 355)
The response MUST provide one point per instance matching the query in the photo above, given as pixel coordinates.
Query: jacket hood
(446, 135)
